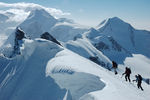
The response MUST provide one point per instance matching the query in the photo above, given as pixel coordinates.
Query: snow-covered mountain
(45, 70)
(3, 18)
(26, 71)
(13, 44)
(46, 58)
(61, 29)
(125, 35)
(108, 45)
(83, 47)
(67, 31)
(40, 21)
(118, 39)
(7, 24)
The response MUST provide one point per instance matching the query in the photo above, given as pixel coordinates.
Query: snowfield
(71, 62)
(84, 48)
(3, 38)
(129, 38)
(49, 68)
(114, 86)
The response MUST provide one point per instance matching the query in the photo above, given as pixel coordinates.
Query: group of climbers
(127, 75)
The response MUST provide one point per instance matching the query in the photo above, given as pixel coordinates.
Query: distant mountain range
(58, 59)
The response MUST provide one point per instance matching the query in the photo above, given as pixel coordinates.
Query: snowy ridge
(128, 37)
(57, 59)
(84, 48)
(26, 66)
(7, 25)
(38, 22)
(21, 72)
(108, 85)
(66, 31)
(13, 44)
(107, 45)
(117, 39)
(66, 73)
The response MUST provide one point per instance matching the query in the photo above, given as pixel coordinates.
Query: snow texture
(76, 70)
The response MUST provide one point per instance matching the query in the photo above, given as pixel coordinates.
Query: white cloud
(18, 15)
(31, 6)
(21, 10)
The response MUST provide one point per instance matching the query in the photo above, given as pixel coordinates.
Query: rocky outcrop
(49, 37)
(19, 35)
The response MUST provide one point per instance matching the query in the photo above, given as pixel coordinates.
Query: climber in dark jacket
(139, 81)
(114, 66)
(127, 73)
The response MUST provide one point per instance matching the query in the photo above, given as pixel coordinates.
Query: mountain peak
(92, 33)
(93, 30)
(111, 20)
(38, 22)
(39, 12)
(115, 20)
(113, 24)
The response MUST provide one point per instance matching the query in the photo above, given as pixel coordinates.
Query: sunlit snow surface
(47, 71)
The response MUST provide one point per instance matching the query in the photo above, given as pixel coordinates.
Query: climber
(127, 73)
(139, 81)
(114, 66)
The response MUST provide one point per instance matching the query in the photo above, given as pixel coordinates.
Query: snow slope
(12, 43)
(84, 48)
(23, 71)
(66, 31)
(117, 39)
(139, 64)
(24, 76)
(131, 39)
(66, 66)
(40, 21)
(3, 38)
(45, 69)
(7, 25)
(107, 45)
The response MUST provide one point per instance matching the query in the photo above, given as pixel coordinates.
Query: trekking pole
(122, 75)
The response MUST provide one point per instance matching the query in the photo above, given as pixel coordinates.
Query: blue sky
(92, 12)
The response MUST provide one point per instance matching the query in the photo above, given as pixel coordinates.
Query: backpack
(140, 77)
(115, 65)
(129, 71)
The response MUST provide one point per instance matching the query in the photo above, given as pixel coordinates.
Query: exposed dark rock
(115, 45)
(78, 36)
(19, 35)
(101, 46)
(95, 59)
(49, 37)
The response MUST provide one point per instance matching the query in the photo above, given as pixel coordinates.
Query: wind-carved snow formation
(45, 58)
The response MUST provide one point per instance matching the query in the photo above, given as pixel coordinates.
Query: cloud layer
(19, 11)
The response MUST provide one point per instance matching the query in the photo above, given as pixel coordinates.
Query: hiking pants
(139, 85)
(127, 77)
